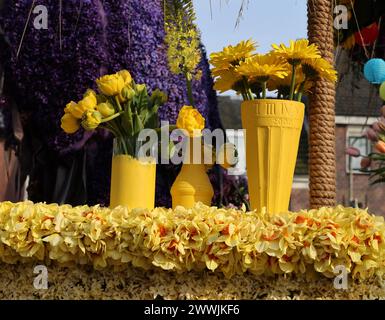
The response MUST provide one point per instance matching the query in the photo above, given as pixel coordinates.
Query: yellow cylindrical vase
(133, 182)
(272, 132)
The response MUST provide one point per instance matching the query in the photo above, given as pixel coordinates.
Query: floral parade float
(202, 251)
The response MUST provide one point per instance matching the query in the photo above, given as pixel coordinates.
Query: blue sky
(267, 22)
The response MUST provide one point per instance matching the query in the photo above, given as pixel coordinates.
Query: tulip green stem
(112, 117)
(118, 103)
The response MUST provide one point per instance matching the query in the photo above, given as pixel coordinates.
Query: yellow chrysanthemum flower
(231, 56)
(227, 81)
(261, 68)
(297, 51)
(314, 68)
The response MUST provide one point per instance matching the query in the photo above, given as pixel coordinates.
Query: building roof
(355, 95)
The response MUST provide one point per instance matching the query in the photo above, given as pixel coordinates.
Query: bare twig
(25, 29)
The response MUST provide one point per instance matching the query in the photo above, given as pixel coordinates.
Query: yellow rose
(110, 85)
(69, 123)
(227, 155)
(126, 77)
(106, 109)
(190, 120)
(91, 120)
(74, 109)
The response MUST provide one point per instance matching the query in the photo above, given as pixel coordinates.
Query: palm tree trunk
(321, 111)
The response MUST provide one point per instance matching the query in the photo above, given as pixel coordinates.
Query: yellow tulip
(92, 94)
(106, 109)
(77, 109)
(88, 102)
(69, 123)
(190, 120)
(74, 109)
(110, 85)
(126, 77)
(91, 120)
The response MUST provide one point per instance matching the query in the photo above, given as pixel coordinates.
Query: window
(356, 140)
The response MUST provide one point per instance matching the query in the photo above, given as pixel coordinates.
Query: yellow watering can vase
(272, 132)
(192, 184)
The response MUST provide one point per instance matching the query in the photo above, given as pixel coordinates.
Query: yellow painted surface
(192, 185)
(272, 133)
(132, 182)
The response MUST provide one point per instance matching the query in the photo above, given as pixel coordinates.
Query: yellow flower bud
(128, 93)
(126, 77)
(110, 85)
(227, 155)
(69, 123)
(106, 109)
(140, 87)
(91, 120)
(190, 120)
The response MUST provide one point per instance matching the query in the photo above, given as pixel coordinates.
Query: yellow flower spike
(69, 123)
(111, 85)
(190, 120)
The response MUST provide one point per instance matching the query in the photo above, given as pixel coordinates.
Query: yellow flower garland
(226, 240)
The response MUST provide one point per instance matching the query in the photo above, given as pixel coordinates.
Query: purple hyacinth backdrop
(85, 39)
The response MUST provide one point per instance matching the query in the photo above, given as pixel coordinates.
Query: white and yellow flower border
(223, 240)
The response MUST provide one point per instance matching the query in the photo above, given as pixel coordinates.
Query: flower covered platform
(201, 253)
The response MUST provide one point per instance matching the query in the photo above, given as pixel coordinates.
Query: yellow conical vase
(132, 182)
(192, 184)
(272, 132)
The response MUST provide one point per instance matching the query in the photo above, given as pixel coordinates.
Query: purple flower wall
(54, 66)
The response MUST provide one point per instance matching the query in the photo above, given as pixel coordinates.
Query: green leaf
(138, 124)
